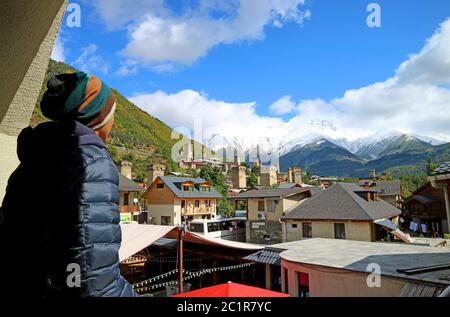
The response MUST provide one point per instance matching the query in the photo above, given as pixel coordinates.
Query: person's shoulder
(93, 153)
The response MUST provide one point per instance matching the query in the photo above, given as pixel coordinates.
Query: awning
(201, 239)
(232, 290)
(136, 237)
(394, 230)
(386, 223)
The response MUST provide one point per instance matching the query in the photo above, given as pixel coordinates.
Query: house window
(307, 230)
(272, 205)
(261, 205)
(160, 185)
(197, 203)
(303, 285)
(339, 230)
(126, 199)
(187, 188)
(166, 220)
(208, 203)
(294, 226)
(183, 203)
(205, 188)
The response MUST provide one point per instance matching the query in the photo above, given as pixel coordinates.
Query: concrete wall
(359, 231)
(272, 226)
(28, 30)
(156, 211)
(326, 282)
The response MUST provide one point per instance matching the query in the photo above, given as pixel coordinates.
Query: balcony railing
(197, 210)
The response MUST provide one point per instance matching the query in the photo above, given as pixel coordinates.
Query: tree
(215, 176)
(410, 183)
(114, 153)
(252, 180)
(129, 157)
(430, 166)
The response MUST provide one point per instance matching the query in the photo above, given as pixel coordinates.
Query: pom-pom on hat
(78, 96)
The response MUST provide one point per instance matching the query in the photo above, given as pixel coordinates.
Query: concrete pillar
(28, 30)
(293, 283)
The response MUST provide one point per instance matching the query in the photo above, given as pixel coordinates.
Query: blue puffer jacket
(61, 207)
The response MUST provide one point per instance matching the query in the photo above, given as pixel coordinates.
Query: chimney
(153, 171)
(125, 169)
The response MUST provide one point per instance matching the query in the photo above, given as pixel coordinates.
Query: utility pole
(180, 258)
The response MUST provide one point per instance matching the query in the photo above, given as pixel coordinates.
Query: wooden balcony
(124, 208)
(197, 210)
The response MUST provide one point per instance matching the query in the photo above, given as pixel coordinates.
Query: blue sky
(234, 59)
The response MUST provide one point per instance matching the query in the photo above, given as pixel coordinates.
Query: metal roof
(271, 193)
(126, 184)
(175, 184)
(340, 202)
(266, 256)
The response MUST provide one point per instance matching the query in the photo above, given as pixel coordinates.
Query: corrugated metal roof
(266, 256)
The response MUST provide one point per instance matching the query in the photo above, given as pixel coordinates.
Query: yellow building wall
(359, 231)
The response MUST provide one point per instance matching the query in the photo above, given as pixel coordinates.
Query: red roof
(232, 290)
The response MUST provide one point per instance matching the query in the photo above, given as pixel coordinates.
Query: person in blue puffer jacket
(59, 220)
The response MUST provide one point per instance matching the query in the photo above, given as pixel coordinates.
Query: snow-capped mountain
(369, 148)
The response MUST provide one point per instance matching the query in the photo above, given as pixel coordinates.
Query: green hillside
(136, 135)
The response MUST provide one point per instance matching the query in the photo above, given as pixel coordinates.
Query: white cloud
(432, 64)
(283, 106)
(58, 52)
(118, 13)
(158, 35)
(90, 61)
(416, 100)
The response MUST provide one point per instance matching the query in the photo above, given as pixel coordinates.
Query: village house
(389, 191)
(343, 211)
(440, 179)
(324, 181)
(129, 194)
(170, 199)
(264, 208)
(424, 212)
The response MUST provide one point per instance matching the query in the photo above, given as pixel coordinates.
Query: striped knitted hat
(78, 96)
